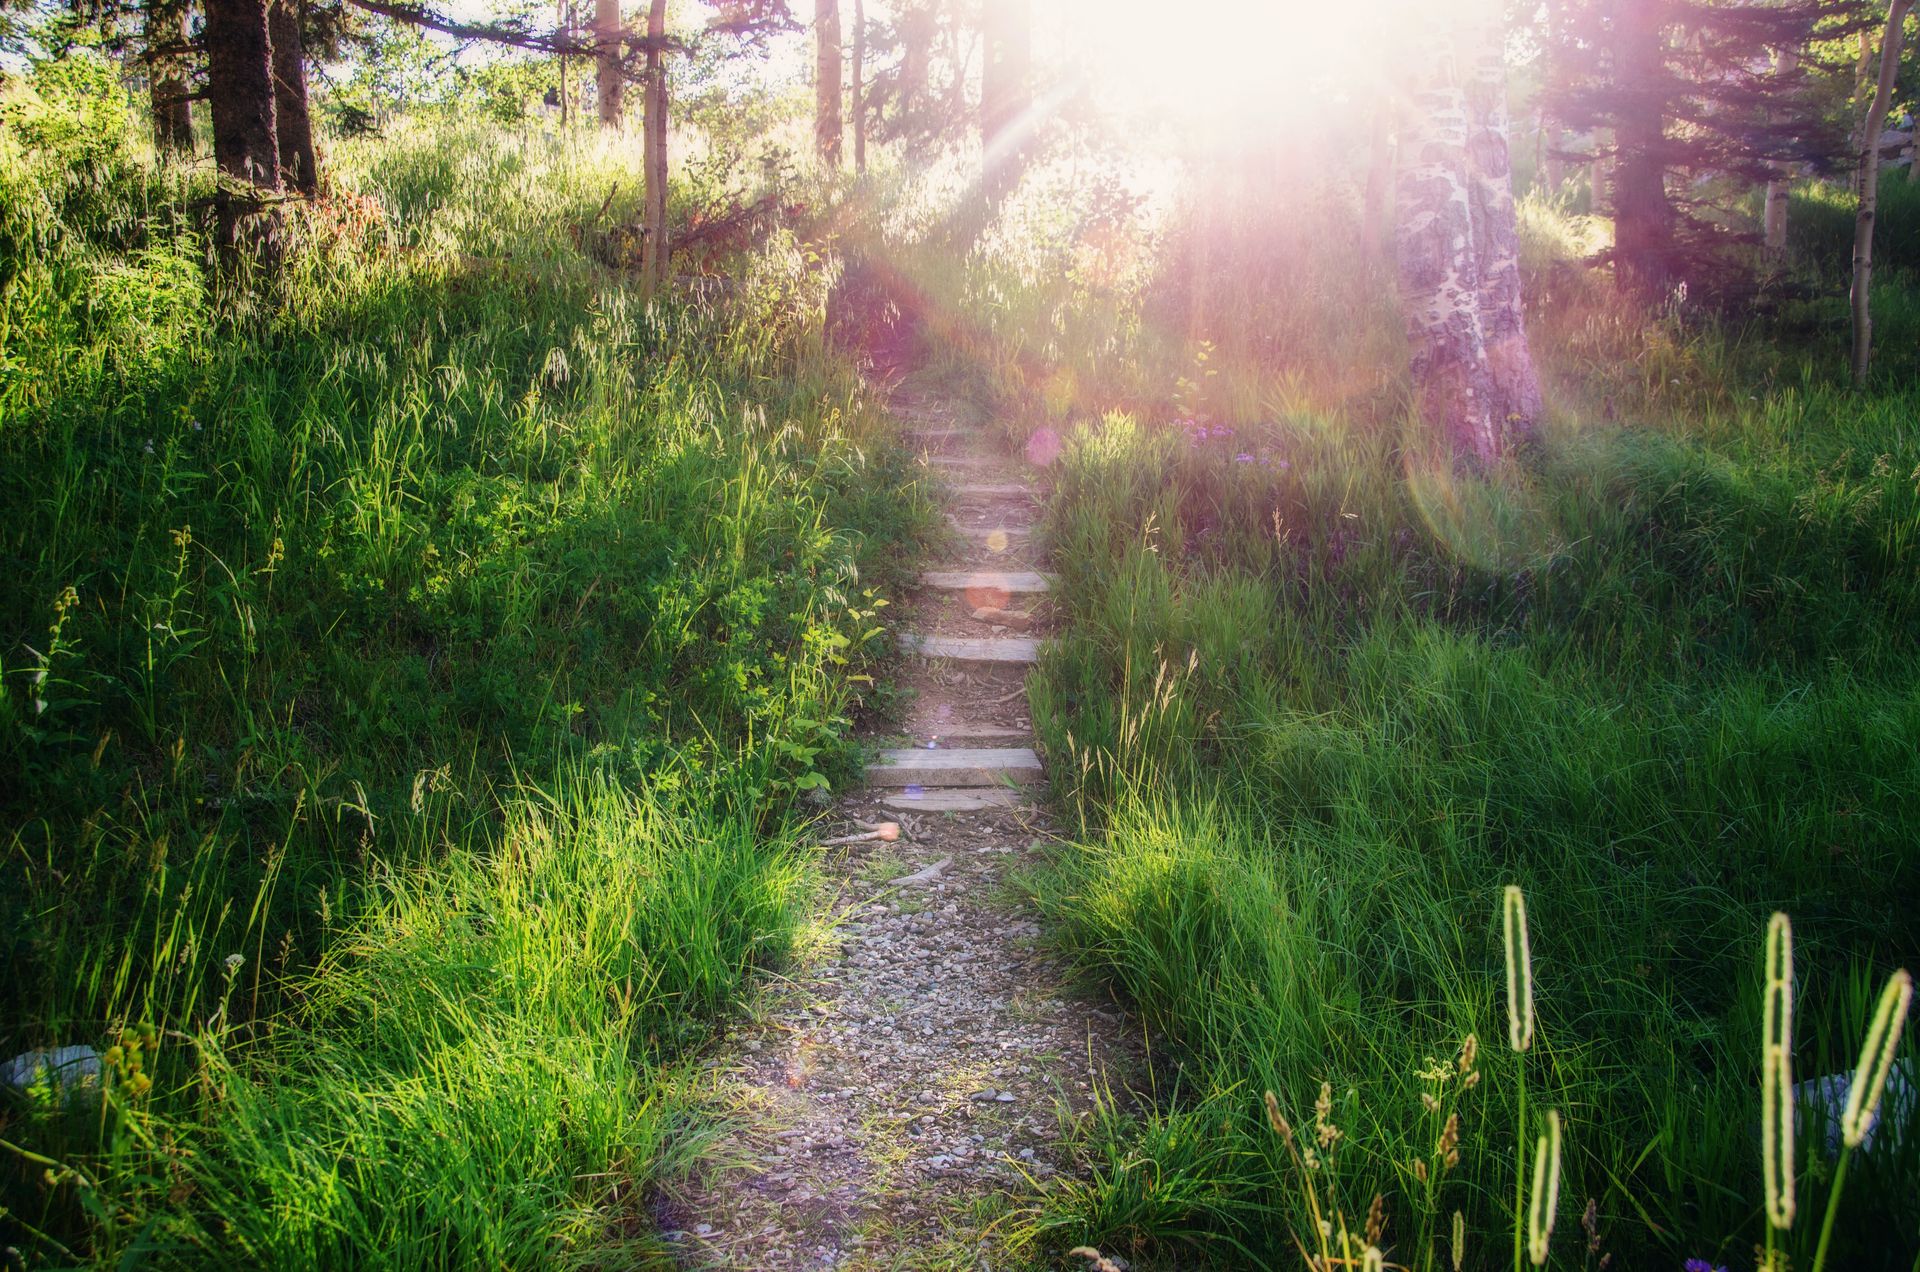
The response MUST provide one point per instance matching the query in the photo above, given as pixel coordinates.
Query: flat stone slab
(956, 799)
(981, 766)
(997, 649)
(985, 580)
(975, 463)
(935, 436)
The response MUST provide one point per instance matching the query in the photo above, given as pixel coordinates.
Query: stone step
(995, 649)
(956, 799)
(994, 489)
(1007, 582)
(983, 766)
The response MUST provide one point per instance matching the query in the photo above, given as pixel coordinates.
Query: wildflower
(1243, 458)
(1701, 1265)
(234, 962)
(1876, 1059)
(149, 446)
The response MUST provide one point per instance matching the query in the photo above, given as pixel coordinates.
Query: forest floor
(890, 1100)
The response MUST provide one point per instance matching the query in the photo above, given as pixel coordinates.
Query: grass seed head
(1459, 1240)
(1546, 1190)
(1776, 1075)
(1513, 922)
(1876, 1059)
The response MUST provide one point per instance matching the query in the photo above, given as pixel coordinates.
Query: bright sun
(1211, 58)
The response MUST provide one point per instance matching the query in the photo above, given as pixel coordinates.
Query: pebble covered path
(893, 1098)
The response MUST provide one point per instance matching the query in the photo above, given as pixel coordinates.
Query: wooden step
(1008, 582)
(986, 534)
(971, 463)
(983, 766)
(995, 649)
(952, 734)
(994, 489)
(956, 799)
(934, 438)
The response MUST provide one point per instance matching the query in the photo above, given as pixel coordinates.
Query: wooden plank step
(996, 649)
(993, 534)
(1006, 581)
(982, 766)
(956, 799)
(994, 489)
(957, 731)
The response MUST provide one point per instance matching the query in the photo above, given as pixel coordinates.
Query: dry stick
(1870, 189)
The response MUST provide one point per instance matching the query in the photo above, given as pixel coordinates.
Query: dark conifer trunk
(167, 75)
(240, 92)
(1643, 214)
(293, 124)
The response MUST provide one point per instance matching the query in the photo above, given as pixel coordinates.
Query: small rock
(987, 1096)
(60, 1068)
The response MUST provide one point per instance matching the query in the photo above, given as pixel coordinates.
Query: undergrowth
(411, 668)
(1319, 700)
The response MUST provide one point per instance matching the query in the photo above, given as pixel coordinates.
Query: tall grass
(409, 667)
(1319, 700)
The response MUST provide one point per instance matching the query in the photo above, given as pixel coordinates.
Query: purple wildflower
(1701, 1265)
(1243, 458)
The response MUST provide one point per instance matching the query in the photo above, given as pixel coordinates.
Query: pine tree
(1686, 90)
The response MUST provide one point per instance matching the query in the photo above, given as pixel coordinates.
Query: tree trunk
(826, 81)
(1006, 92)
(564, 16)
(167, 76)
(1496, 241)
(1643, 214)
(654, 248)
(1862, 67)
(609, 75)
(1598, 200)
(916, 51)
(1869, 182)
(292, 124)
(859, 86)
(240, 93)
(1373, 199)
(1439, 286)
(1774, 219)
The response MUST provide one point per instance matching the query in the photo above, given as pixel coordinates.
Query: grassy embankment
(1318, 700)
(411, 670)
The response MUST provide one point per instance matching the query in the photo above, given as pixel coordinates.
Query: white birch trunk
(1869, 184)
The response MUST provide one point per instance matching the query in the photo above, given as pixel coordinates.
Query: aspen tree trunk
(1379, 173)
(167, 76)
(292, 121)
(1774, 219)
(826, 81)
(655, 251)
(609, 79)
(1496, 241)
(1862, 67)
(563, 15)
(1869, 182)
(859, 87)
(1439, 285)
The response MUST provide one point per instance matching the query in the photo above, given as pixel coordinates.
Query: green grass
(409, 669)
(1319, 699)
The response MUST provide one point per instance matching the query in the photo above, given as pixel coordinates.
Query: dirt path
(896, 1095)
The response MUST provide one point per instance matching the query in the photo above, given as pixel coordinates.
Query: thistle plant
(1865, 1091)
